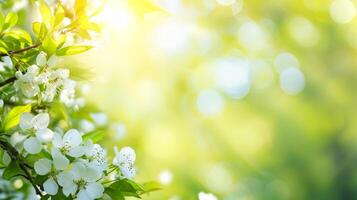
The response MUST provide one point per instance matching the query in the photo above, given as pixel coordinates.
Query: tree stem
(7, 81)
(15, 156)
(12, 52)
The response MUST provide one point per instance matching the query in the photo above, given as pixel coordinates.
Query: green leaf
(59, 15)
(12, 170)
(127, 188)
(49, 45)
(151, 186)
(95, 136)
(72, 50)
(114, 194)
(10, 20)
(3, 50)
(2, 21)
(39, 29)
(12, 119)
(45, 12)
(20, 35)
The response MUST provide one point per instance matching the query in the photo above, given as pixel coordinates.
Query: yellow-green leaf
(72, 50)
(49, 45)
(2, 21)
(10, 20)
(39, 29)
(3, 50)
(59, 16)
(45, 12)
(80, 7)
(12, 119)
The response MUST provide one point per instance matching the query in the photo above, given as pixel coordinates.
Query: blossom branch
(7, 81)
(20, 50)
(16, 156)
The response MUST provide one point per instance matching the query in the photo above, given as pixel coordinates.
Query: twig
(20, 50)
(17, 157)
(7, 81)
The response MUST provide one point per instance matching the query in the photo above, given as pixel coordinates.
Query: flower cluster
(45, 82)
(48, 135)
(75, 165)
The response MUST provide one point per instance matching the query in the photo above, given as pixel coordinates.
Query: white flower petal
(126, 155)
(90, 174)
(76, 152)
(43, 166)
(65, 179)
(59, 161)
(25, 121)
(95, 190)
(41, 121)
(50, 186)
(70, 190)
(41, 59)
(83, 195)
(128, 170)
(57, 140)
(32, 145)
(72, 138)
(45, 135)
(52, 61)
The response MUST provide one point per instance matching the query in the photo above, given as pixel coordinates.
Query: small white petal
(72, 138)
(45, 135)
(43, 166)
(90, 174)
(77, 152)
(70, 190)
(41, 121)
(65, 179)
(128, 170)
(52, 61)
(32, 145)
(25, 121)
(57, 140)
(95, 190)
(83, 195)
(50, 186)
(41, 59)
(59, 161)
(126, 155)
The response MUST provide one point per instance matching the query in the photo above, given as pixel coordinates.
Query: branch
(17, 157)
(7, 81)
(12, 52)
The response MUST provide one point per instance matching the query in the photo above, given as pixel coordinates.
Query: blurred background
(243, 99)
(248, 100)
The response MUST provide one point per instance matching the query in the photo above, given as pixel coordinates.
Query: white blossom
(125, 159)
(27, 83)
(36, 126)
(69, 144)
(96, 156)
(83, 179)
